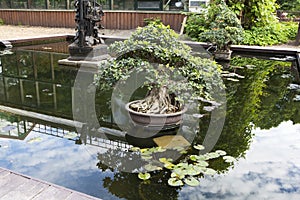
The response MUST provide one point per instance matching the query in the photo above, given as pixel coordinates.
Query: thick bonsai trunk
(158, 101)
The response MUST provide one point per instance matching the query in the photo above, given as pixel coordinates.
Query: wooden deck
(20, 187)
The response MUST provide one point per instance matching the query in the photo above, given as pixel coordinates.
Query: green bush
(277, 33)
(218, 25)
(292, 5)
(195, 25)
(1, 21)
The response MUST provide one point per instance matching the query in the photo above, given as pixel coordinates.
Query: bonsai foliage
(219, 26)
(171, 73)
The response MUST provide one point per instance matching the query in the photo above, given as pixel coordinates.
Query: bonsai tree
(170, 71)
(218, 25)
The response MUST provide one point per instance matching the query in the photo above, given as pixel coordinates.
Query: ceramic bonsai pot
(155, 120)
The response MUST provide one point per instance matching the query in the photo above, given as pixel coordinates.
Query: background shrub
(277, 33)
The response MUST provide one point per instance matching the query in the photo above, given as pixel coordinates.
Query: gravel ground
(9, 32)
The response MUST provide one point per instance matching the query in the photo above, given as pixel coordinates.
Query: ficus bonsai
(173, 74)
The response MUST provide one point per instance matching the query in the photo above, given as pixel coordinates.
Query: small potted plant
(169, 73)
(219, 26)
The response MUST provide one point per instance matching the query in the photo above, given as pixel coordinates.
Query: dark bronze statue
(87, 42)
(88, 19)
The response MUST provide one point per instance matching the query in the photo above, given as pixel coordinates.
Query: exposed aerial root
(158, 101)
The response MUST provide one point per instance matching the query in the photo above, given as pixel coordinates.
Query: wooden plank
(4, 173)
(17, 186)
(25, 191)
(74, 196)
(10, 182)
(52, 193)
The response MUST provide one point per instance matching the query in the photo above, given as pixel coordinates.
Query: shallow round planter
(155, 120)
(223, 55)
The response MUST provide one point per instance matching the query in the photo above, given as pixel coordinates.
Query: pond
(39, 138)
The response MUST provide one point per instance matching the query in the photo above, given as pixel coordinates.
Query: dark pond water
(261, 130)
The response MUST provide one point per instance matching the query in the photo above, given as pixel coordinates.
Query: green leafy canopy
(154, 50)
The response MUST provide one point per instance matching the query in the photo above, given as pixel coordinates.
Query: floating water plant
(191, 181)
(188, 171)
(70, 135)
(34, 139)
(144, 176)
(229, 159)
(175, 182)
(199, 147)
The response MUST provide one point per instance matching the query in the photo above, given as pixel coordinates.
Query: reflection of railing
(87, 138)
(16, 130)
(58, 127)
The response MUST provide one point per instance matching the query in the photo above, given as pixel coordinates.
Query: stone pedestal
(93, 53)
(87, 57)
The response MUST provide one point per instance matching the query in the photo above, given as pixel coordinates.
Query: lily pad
(199, 169)
(159, 149)
(175, 182)
(146, 157)
(183, 152)
(202, 163)
(150, 167)
(191, 181)
(144, 176)
(221, 152)
(169, 165)
(165, 160)
(229, 159)
(146, 153)
(179, 173)
(144, 150)
(33, 140)
(194, 157)
(70, 135)
(199, 147)
(182, 165)
(135, 149)
(197, 158)
(198, 116)
(296, 98)
(193, 171)
(212, 155)
(210, 171)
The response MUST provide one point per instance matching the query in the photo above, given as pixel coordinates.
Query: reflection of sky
(56, 160)
(270, 170)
